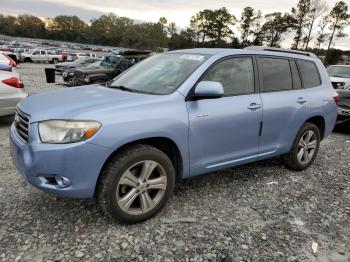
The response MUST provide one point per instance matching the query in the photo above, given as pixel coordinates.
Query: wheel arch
(164, 144)
(318, 121)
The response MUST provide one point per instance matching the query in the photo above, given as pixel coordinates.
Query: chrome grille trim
(21, 122)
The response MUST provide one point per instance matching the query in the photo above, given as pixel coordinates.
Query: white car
(11, 92)
(340, 76)
(41, 55)
(5, 60)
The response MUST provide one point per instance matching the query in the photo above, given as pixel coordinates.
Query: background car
(11, 92)
(68, 74)
(110, 67)
(6, 60)
(340, 78)
(60, 67)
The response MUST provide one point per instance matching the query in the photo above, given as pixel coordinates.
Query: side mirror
(209, 89)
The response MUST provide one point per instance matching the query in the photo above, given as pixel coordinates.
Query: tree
(67, 28)
(247, 18)
(219, 24)
(163, 22)
(338, 19)
(8, 25)
(199, 24)
(317, 8)
(256, 29)
(182, 40)
(172, 29)
(321, 35)
(30, 26)
(300, 15)
(275, 26)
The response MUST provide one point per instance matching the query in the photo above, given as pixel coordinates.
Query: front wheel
(305, 148)
(136, 184)
(55, 61)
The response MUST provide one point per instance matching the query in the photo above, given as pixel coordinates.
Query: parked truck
(42, 55)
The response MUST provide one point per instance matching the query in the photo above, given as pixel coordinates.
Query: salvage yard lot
(260, 211)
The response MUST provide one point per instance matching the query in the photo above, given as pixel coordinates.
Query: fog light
(62, 181)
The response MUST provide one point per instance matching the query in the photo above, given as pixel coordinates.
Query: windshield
(110, 61)
(160, 74)
(96, 64)
(80, 60)
(339, 71)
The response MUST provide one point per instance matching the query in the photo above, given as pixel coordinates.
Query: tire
(55, 61)
(27, 60)
(306, 157)
(114, 187)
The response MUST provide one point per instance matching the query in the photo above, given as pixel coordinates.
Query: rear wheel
(305, 148)
(136, 184)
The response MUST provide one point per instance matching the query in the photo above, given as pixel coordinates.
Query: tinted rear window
(309, 73)
(276, 74)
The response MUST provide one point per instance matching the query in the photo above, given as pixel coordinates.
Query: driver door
(225, 131)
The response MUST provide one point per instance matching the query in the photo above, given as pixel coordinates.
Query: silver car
(11, 92)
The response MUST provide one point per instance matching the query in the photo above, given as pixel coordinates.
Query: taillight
(13, 81)
(11, 63)
(336, 97)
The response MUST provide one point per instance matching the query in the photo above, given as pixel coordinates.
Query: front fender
(98, 77)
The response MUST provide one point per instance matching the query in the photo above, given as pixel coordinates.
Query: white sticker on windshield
(193, 57)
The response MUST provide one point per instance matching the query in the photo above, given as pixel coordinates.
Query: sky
(178, 11)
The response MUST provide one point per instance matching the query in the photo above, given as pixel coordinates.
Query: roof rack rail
(275, 49)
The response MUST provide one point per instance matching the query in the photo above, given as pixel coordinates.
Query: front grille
(22, 121)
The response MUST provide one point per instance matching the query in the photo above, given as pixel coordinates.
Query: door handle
(301, 100)
(254, 106)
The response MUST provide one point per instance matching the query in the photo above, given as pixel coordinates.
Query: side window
(295, 75)
(276, 74)
(36, 53)
(43, 52)
(309, 73)
(235, 74)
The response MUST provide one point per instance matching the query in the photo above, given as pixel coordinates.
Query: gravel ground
(258, 212)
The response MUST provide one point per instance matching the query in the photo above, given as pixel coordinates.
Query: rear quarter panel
(322, 101)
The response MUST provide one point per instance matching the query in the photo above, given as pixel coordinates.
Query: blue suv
(174, 115)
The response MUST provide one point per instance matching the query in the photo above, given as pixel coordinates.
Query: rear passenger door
(285, 104)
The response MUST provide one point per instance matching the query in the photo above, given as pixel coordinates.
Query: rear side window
(276, 74)
(309, 73)
(235, 74)
(295, 75)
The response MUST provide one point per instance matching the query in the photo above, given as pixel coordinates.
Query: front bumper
(39, 163)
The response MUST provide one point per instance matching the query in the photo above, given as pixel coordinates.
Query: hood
(66, 64)
(84, 102)
(339, 79)
(95, 70)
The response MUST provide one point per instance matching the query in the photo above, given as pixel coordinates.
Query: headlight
(62, 132)
(87, 80)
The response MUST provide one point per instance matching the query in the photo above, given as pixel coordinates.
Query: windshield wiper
(124, 88)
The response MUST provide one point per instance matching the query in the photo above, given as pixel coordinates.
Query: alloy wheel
(307, 147)
(141, 187)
